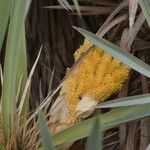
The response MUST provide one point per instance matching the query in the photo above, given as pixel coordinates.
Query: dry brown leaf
(103, 10)
(110, 17)
(133, 5)
(145, 134)
(128, 36)
(132, 138)
(113, 23)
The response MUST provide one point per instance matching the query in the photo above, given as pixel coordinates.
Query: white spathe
(86, 106)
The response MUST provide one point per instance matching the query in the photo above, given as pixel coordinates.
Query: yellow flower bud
(98, 75)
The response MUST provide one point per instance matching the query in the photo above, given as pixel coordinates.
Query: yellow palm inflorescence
(98, 75)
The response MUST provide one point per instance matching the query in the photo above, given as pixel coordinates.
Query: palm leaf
(5, 7)
(15, 43)
(145, 5)
(95, 139)
(108, 120)
(117, 52)
(46, 137)
(127, 101)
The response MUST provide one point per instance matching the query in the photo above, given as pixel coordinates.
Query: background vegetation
(41, 35)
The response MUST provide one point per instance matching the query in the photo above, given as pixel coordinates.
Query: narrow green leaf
(22, 72)
(145, 5)
(22, 62)
(118, 53)
(46, 137)
(95, 139)
(22, 67)
(13, 46)
(2, 147)
(4, 16)
(134, 116)
(127, 101)
(83, 129)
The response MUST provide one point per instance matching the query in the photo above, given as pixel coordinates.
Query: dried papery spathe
(85, 106)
